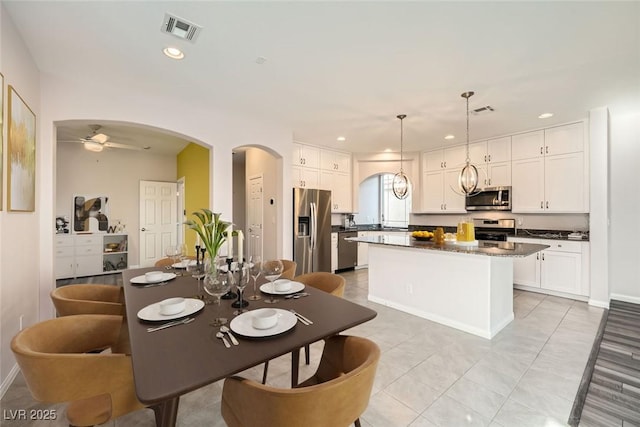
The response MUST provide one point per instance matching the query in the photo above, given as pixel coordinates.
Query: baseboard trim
(625, 298)
(600, 304)
(13, 373)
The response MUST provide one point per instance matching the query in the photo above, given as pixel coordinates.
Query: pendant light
(468, 178)
(400, 181)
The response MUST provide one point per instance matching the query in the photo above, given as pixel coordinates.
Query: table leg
(166, 412)
(295, 364)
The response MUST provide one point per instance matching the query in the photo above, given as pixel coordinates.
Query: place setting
(152, 278)
(172, 311)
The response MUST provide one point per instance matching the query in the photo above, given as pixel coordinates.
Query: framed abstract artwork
(21, 155)
(1, 138)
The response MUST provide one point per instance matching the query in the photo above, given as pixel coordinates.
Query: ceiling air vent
(482, 110)
(180, 28)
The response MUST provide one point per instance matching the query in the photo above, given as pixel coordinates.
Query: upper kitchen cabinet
(305, 177)
(493, 160)
(335, 161)
(340, 186)
(448, 158)
(550, 170)
(305, 156)
(440, 170)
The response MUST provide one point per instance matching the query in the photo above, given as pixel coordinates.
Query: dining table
(171, 362)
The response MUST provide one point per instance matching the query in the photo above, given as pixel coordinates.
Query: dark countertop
(486, 248)
(366, 227)
(550, 234)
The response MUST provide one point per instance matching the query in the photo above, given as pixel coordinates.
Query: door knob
(143, 229)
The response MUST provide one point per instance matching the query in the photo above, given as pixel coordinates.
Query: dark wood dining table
(174, 361)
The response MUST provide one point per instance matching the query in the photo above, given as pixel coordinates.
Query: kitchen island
(466, 287)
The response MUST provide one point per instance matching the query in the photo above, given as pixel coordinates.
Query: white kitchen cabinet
(340, 186)
(549, 171)
(305, 177)
(90, 254)
(448, 158)
(305, 155)
(493, 160)
(563, 267)
(335, 161)
(439, 192)
(363, 249)
(334, 252)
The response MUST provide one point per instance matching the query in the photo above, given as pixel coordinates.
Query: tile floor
(429, 374)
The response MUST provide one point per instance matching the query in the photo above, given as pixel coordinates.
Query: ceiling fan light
(94, 146)
(100, 138)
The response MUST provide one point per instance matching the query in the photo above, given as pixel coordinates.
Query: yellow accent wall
(193, 165)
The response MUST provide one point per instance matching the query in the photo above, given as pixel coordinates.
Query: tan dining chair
(93, 298)
(336, 395)
(88, 299)
(54, 360)
(289, 269)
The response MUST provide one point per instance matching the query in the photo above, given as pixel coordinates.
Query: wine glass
(172, 251)
(242, 280)
(216, 285)
(271, 270)
(255, 263)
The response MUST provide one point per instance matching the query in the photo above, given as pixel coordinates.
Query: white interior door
(158, 220)
(255, 214)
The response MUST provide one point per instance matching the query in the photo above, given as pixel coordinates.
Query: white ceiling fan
(98, 141)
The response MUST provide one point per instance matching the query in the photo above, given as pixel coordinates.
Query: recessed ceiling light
(173, 52)
(341, 138)
(388, 150)
(449, 137)
(261, 60)
(545, 115)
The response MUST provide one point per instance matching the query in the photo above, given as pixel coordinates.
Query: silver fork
(300, 317)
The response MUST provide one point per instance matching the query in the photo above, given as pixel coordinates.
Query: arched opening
(130, 154)
(379, 206)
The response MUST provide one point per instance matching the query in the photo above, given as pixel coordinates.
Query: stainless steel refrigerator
(311, 230)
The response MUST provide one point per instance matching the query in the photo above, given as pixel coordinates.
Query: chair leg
(264, 373)
(307, 355)
(357, 423)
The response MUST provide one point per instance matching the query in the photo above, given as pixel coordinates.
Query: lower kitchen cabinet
(334, 252)
(363, 250)
(563, 268)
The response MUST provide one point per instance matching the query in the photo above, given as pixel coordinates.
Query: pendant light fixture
(468, 178)
(400, 181)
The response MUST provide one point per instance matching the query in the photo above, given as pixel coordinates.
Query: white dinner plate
(151, 313)
(184, 264)
(242, 324)
(295, 287)
(142, 280)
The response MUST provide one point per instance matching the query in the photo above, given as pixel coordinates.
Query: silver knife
(170, 324)
(301, 317)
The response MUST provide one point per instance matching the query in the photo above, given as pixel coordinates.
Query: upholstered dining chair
(289, 269)
(53, 358)
(336, 395)
(88, 299)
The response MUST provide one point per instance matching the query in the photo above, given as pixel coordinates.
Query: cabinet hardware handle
(543, 256)
(547, 148)
(485, 182)
(485, 158)
(441, 206)
(489, 181)
(547, 204)
(143, 229)
(541, 152)
(489, 157)
(445, 164)
(541, 204)
(445, 206)
(537, 256)
(441, 164)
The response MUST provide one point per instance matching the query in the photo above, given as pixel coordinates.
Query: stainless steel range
(494, 229)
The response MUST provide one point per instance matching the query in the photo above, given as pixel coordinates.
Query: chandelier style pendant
(468, 178)
(400, 185)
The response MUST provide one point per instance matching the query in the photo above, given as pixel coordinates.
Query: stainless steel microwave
(489, 199)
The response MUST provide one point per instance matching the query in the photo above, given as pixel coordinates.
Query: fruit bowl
(422, 238)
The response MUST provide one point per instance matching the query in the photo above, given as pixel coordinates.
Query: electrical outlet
(520, 221)
(21, 319)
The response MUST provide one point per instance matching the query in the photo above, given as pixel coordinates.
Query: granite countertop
(367, 227)
(551, 234)
(487, 248)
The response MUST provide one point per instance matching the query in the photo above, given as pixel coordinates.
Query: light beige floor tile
(447, 412)
(385, 411)
(435, 374)
(492, 378)
(422, 422)
(551, 383)
(475, 396)
(514, 414)
(412, 392)
(541, 401)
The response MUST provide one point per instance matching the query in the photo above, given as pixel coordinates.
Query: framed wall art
(1, 139)
(21, 155)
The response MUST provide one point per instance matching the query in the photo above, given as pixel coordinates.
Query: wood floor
(613, 395)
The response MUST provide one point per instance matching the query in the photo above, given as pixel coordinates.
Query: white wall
(19, 231)
(113, 173)
(624, 259)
